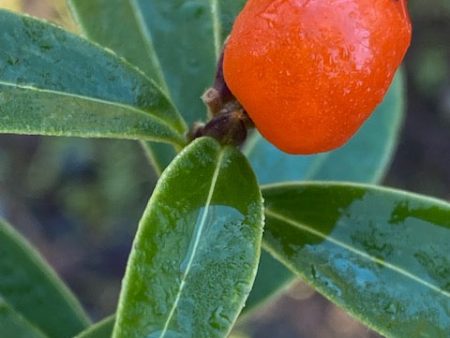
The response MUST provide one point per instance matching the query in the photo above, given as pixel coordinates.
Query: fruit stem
(228, 120)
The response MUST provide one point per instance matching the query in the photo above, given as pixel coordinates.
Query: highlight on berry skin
(309, 73)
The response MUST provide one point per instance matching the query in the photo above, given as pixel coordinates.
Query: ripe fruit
(310, 72)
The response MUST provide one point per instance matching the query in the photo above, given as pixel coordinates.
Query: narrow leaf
(14, 325)
(197, 248)
(380, 254)
(98, 20)
(45, 63)
(29, 285)
(177, 42)
(32, 111)
(102, 329)
(183, 38)
(364, 159)
(131, 40)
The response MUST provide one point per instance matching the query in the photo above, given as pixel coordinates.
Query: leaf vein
(360, 253)
(198, 235)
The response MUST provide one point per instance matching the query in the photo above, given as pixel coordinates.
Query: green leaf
(183, 38)
(380, 254)
(183, 55)
(102, 329)
(196, 252)
(131, 40)
(364, 159)
(179, 39)
(159, 155)
(14, 325)
(29, 285)
(98, 20)
(55, 83)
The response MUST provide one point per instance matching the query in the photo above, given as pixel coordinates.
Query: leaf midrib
(217, 26)
(303, 227)
(197, 238)
(95, 100)
(146, 36)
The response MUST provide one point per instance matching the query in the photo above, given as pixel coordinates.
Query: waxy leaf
(102, 329)
(176, 42)
(364, 159)
(29, 285)
(196, 252)
(55, 83)
(381, 254)
(189, 65)
(14, 325)
(98, 20)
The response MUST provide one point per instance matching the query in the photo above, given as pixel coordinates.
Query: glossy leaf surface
(188, 61)
(381, 254)
(364, 159)
(55, 83)
(29, 285)
(102, 329)
(98, 20)
(197, 248)
(15, 326)
(179, 39)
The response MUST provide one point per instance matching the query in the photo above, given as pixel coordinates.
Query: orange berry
(310, 72)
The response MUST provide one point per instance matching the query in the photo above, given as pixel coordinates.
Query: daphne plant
(200, 259)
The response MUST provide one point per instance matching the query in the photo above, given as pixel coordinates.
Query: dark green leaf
(364, 159)
(14, 325)
(131, 40)
(197, 248)
(381, 254)
(102, 329)
(189, 64)
(182, 37)
(29, 285)
(55, 83)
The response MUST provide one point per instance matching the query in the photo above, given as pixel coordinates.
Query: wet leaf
(55, 83)
(102, 329)
(14, 325)
(32, 288)
(197, 248)
(380, 254)
(364, 159)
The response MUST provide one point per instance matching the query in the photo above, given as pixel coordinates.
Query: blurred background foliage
(79, 201)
